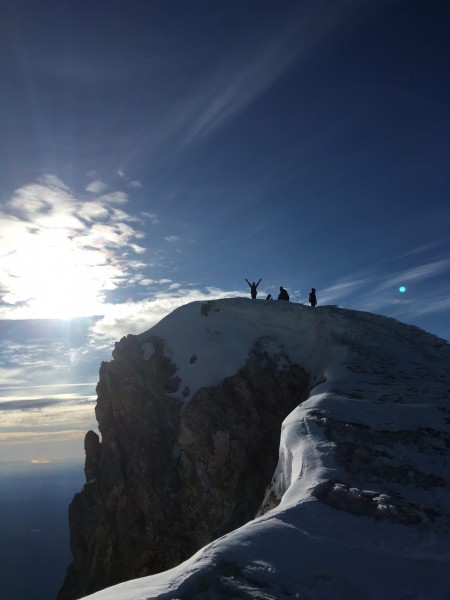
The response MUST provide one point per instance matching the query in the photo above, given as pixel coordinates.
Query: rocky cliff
(190, 415)
(170, 476)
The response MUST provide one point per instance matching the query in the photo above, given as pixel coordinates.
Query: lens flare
(402, 289)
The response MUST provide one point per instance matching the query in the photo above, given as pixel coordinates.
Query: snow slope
(376, 526)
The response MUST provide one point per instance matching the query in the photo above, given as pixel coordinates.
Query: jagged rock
(167, 479)
(92, 450)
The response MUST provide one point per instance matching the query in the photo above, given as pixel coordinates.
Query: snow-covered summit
(359, 503)
(209, 341)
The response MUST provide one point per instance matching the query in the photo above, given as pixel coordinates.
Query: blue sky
(159, 152)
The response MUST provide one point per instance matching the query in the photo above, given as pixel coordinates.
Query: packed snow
(365, 371)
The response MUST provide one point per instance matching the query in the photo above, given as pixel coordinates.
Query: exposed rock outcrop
(167, 478)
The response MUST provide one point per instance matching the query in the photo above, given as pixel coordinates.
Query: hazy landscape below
(34, 538)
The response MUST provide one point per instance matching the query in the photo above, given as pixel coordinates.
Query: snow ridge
(359, 504)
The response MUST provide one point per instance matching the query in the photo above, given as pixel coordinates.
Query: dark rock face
(166, 479)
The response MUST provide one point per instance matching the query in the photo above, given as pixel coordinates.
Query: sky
(154, 153)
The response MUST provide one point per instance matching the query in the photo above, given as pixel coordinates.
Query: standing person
(312, 297)
(283, 295)
(253, 287)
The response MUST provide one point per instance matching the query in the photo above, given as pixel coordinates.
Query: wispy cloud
(47, 386)
(11, 375)
(34, 437)
(428, 306)
(426, 247)
(378, 293)
(43, 446)
(342, 289)
(152, 217)
(243, 77)
(96, 187)
(46, 416)
(23, 404)
(229, 84)
(414, 274)
(60, 252)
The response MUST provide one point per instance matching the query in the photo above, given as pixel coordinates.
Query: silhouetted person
(312, 297)
(283, 295)
(269, 297)
(253, 287)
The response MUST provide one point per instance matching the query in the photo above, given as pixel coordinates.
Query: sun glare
(55, 278)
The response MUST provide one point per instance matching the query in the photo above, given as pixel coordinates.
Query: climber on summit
(253, 287)
(283, 295)
(312, 297)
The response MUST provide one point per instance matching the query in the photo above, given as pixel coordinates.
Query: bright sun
(57, 279)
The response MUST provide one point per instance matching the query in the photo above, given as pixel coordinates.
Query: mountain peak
(315, 438)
